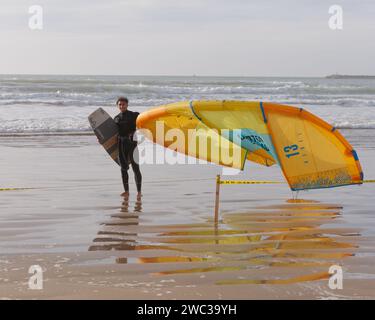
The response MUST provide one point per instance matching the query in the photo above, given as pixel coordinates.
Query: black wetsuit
(128, 151)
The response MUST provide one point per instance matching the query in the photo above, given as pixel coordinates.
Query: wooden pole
(217, 199)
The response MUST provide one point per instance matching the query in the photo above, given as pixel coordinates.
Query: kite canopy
(311, 153)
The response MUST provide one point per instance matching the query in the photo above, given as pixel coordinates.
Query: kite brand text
(256, 140)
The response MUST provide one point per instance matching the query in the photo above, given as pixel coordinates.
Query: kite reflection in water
(284, 243)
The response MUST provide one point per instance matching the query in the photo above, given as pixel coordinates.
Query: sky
(195, 37)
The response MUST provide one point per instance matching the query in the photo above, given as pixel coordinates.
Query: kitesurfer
(128, 151)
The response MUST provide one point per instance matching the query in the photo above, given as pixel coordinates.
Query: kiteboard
(106, 131)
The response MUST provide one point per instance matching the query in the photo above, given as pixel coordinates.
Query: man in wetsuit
(128, 151)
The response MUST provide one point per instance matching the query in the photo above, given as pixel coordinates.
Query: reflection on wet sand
(118, 239)
(295, 235)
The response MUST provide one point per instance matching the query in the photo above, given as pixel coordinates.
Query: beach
(277, 97)
(68, 218)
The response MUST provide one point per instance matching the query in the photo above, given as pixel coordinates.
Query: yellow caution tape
(12, 189)
(246, 182)
(265, 182)
(218, 180)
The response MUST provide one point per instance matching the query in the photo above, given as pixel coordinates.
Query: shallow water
(293, 234)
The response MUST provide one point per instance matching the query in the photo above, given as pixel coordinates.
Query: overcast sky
(186, 37)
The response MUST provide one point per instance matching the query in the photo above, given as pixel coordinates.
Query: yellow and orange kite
(311, 153)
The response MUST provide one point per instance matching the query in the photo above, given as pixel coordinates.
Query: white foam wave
(58, 103)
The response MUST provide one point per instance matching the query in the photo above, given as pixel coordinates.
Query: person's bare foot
(139, 196)
(125, 194)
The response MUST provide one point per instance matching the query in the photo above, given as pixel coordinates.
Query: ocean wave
(69, 125)
(82, 94)
(19, 126)
(62, 103)
(350, 124)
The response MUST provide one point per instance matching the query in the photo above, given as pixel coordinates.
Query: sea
(37, 104)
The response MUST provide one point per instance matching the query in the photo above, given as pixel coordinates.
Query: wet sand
(92, 244)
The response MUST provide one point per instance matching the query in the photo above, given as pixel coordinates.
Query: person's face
(122, 105)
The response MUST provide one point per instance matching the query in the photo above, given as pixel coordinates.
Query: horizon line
(157, 75)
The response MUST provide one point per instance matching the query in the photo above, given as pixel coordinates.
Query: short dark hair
(122, 99)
